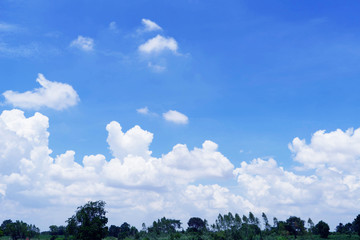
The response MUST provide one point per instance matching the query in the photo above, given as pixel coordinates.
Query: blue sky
(250, 76)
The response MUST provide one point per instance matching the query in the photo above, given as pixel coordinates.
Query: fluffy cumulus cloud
(176, 117)
(132, 179)
(337, 150)
(143, 187)
(159, 44)
(53, 95)
(83, 43)
(332, 187)
(150, 26)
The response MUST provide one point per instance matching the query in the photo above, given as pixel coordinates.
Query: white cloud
(53, 95)
(150, 26)
(333, 188)
(133, 179)
(143, 187)
(339, 150)
(159, 44)
(134, 142)
(144, 110)
(83, 43)
(176, 117)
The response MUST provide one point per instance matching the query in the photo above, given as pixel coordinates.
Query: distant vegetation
(89, 223)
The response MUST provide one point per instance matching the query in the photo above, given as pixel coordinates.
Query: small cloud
(113, 26)
(150, 26)
(144, 110)
(156, 68)
(83, 43)
(159, 44)
(53, 95)
(176, 117)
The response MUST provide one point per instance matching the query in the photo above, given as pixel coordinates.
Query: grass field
(204, 237)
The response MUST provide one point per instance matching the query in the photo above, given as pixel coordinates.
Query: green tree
(124, 230)
(295, 226)
(267, 226)
(54, 230)
(89, 222)
(20, 230)
(114, 231)
(322, 229)
(310, 225)
(196, 224)
(237, 221)
(5, 227)
(356, 225)
(165, 226)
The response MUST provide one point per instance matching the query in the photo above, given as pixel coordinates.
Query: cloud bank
(143, 187)
(53, 95)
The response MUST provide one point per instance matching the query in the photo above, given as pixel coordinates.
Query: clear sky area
(179, 108)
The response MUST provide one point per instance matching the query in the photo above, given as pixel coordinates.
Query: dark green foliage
(310, 225)
(226, 227)
(126, 230)
(196, 224)
(19, 229)
(57, 230)
(267, 226)
(356, 225)
(89, 222)
(345, 229)
(5, 227)
(295, 226)
(322, 229)
(165, 225)
(114, 231)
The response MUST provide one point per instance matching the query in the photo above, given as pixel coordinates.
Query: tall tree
(196, 224)
(267, 226)
(114, 231)
(322, 228)
(295, 226)
(5, 226)
(356, 224)
(310, 225)
(89, 221)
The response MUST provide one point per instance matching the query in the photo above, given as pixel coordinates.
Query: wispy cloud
(146, 111)
(156, 68)
(150, 26)
(6, 27)
(53, 95)
(19, 51)
(83, 43)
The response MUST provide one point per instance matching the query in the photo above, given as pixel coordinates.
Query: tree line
(90, 223)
